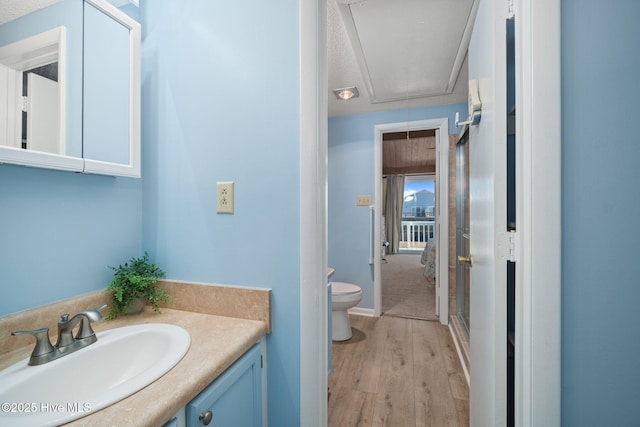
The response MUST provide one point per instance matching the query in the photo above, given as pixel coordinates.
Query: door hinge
(25, 104)
(511, 11)
(512, 246)
(261, 365)
(506, 246)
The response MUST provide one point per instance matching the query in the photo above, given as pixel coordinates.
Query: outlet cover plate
(224, 198)
(363, 200)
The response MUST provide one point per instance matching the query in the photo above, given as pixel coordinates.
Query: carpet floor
(405, 290)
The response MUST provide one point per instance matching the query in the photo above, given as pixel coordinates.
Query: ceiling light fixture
(346, 93)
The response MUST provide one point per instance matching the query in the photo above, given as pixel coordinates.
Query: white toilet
(343, 297)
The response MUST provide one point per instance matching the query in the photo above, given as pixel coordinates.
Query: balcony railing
(415, 234)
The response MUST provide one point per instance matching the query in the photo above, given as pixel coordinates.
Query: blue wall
(60, 231)
(351, 172)
(600, 207)
(207, 118)
(220, 103)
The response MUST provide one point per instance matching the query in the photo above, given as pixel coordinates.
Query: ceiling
(399, 53)
(12, 9)
(407, 153)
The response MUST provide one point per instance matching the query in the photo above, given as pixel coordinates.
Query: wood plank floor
(397, 372)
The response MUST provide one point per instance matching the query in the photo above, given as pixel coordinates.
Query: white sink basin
(121, 362)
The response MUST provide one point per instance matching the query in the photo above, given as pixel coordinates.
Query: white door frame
(538, 198)
(314, 301)
(441, 125)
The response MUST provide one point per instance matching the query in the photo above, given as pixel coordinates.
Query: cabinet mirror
(70, 87)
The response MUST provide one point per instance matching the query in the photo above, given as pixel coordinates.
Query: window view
(418, 212)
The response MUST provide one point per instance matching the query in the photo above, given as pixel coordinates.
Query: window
(418, 212)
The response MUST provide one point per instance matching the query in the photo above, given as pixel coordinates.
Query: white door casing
(538, 246)
(441, 125)
(314, 301)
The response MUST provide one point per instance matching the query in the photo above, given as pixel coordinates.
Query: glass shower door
(462, 232)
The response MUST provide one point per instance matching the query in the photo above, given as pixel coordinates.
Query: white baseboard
(362, 311)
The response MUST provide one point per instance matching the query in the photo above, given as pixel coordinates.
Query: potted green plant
(133, 283)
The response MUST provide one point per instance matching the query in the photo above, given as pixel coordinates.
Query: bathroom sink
(121, 362)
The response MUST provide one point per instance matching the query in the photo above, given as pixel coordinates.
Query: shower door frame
(462, 233)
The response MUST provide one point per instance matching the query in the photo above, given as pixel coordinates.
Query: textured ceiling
(400, 54)
(12, 9)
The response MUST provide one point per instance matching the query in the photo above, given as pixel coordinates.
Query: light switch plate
(224, 198)
(363, 200)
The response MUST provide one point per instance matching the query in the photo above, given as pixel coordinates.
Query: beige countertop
(216, 343)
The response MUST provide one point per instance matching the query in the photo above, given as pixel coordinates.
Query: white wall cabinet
(111, 83)
(89, 51)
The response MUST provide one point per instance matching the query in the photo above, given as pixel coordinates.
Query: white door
(43, 114)
(487, 197)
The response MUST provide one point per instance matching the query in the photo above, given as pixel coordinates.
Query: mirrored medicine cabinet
(70, 89)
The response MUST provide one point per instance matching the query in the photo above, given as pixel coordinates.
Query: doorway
(540, 399)
(440, 127)
(408, 275)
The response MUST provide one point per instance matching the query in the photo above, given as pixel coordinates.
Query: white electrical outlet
(225, 197)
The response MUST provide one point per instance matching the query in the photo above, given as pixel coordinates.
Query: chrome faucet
(45, 352)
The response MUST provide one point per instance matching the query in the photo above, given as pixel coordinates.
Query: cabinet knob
(206, 417)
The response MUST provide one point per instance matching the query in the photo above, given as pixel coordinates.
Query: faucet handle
(92, 315)
(43, 345)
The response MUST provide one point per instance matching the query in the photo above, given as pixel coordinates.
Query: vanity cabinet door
(234, 399)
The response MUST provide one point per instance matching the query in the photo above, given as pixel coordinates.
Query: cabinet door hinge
(261, 364)
(511, 11)
(24, 106)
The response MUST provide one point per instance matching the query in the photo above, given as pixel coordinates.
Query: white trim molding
(314, 304)
(359, 311)
(538, 132)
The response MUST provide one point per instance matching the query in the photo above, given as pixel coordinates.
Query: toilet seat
(344, 289)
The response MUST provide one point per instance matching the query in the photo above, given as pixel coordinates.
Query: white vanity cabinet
(234, 398)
